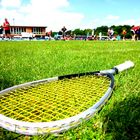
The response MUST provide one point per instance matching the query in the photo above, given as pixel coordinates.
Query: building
(38, 31)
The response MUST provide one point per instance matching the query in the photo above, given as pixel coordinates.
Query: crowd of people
(135, 30)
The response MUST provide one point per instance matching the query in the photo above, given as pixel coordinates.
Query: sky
(73, 14)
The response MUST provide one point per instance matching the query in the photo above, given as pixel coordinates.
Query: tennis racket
(56, 104)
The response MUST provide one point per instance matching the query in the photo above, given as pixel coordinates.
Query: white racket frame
(31, 128)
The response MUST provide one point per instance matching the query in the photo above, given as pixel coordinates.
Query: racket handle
(124, 66)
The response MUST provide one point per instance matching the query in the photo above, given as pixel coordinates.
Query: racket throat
(111, 71)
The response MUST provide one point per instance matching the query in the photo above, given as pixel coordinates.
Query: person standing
(124, 33)
(50, 34)
(138, 33)
(6, 27)
(1, 32)
(63, 32)
(109, 33)
(134, 30)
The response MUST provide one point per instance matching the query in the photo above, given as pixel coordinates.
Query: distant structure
(38, 31)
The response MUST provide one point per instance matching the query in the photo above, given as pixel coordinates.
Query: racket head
(56, 125)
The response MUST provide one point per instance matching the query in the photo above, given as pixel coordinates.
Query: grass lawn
(22, 62)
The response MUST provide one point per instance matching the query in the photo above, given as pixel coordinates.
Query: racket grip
(124, 66)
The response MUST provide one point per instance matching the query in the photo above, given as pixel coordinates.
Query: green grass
(22, 62)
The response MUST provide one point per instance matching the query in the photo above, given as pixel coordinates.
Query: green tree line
(117, 31)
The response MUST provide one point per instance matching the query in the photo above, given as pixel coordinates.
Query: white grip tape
(124, 66)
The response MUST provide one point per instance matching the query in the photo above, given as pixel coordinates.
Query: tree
(78, 32)
(102, 29)
(69, 32)
(87, 31)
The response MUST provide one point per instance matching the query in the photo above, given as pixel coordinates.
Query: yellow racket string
(54, 100)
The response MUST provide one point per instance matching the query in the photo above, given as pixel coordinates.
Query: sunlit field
(26, 61)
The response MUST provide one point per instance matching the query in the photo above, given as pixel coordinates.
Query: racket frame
(31, 128)
(37, 128)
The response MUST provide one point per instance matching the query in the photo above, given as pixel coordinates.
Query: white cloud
(50, 13)
(128, 22)
(10, 3)
(92, 24)
(108, 20)
(49, 4)
(105, 22)
(111, 17)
